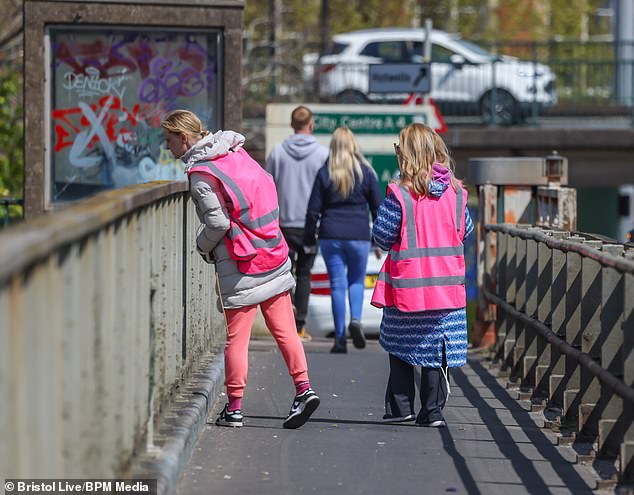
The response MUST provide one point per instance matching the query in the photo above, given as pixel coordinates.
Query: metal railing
(564, 308)
(105, 309)
(590, 78)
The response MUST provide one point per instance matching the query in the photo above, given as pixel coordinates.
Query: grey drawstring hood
(212, 146)
(294, 164)
(300, 146)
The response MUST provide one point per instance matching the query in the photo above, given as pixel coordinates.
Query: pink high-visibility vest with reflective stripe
(425, 269)
(254, 239)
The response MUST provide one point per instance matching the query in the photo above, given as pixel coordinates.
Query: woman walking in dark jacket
(344, 189)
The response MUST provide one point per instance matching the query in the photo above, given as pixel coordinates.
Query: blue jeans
(346, 262)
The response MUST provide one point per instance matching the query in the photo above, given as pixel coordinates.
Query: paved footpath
(491, 445)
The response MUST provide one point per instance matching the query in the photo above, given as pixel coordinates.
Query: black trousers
(401, 391)
(302, 264)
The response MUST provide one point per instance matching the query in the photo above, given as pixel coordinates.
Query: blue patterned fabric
(417, 338)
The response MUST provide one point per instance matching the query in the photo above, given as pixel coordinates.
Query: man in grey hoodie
(294, 164)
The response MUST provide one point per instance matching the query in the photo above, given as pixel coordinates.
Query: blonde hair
(345, 161)
(421, 147)
(184, 122)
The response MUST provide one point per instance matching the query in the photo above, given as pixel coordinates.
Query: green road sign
(385, 166)
(370, 123)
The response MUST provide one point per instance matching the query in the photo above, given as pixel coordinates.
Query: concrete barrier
(105, 311)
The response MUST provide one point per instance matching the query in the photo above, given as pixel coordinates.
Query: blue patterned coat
(418, 338)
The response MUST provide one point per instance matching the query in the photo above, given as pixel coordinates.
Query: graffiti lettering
(93, 85)
(168, 82)
(111, 90)
(134, 52)
(116, 144)
(116, 120)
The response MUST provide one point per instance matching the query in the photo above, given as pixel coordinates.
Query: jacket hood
(441, 178)
(299, 146)
(212, 146)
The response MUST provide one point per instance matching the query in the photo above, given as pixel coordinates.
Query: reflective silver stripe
(412, 250)
(254, 224)
(267, 243)
(427, 252)
(256, 243)
(412, 283)
(458, 207)
(409, 222)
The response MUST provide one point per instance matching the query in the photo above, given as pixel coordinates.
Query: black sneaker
(388, 418)
(230, 418)
(439, 423)
(356, 332)
(340, 347)
(303, 406)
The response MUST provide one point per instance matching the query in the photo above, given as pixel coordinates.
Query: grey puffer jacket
(237, 289)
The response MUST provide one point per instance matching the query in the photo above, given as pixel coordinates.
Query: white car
(465, 78)
(319, 322)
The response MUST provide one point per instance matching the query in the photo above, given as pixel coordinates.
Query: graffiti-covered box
(107, 73)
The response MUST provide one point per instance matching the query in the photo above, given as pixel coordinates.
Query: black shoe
(303, 406)
(388, 418)
(339, 348)
(356, 332)
(229, 418)
(439, 423)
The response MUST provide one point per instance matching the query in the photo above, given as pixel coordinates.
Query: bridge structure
(111, 338)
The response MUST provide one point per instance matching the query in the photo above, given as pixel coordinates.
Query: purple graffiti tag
(168, 81)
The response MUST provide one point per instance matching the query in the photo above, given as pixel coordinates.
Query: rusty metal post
(484, 326)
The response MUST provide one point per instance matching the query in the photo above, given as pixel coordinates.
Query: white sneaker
(303, 406)
(230, 418)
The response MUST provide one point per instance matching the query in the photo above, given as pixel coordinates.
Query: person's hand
(310, 249)
(378, 253)
(208, 257)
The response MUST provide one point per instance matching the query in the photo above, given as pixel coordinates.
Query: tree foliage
(11, 133)
(488, 20)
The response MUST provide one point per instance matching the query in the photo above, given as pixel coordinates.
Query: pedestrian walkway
(491, 445)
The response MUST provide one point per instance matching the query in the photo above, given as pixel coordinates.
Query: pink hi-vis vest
(425, 269)
(254, 239)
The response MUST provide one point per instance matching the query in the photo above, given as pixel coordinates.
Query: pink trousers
(280, 320)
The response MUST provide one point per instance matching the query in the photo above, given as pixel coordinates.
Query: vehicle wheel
(351, 96)
(506, 109)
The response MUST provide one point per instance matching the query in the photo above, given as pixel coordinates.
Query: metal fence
(565, 329)
(588, 78)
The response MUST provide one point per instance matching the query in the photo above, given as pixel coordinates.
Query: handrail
(623, 390)
(25, 244)
(605, 259)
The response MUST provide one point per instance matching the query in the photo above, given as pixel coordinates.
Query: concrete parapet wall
(105, 310)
